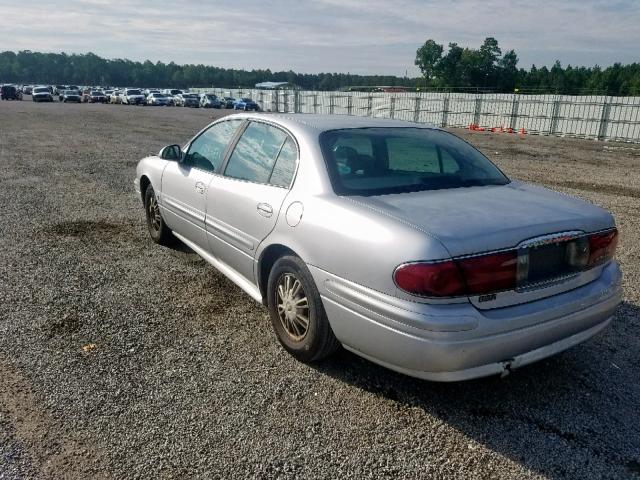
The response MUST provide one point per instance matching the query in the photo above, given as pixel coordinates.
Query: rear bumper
(457, 341)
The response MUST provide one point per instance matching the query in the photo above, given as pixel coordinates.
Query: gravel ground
(123, 359)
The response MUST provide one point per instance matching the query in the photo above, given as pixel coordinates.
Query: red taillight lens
(490, 273)
(602, 247)
(467, 276)
(430, 279)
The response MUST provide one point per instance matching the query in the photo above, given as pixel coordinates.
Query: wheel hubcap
(293, 307)
(154, 213)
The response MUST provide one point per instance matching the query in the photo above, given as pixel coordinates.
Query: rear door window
(254, 157)
(285, 166)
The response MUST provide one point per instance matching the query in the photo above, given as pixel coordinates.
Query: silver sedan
(398, 241)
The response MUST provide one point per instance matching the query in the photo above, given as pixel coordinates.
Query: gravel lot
(123, 359)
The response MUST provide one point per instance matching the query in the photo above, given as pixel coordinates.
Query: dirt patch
(66, 325)
(53, 453)
(85, 228)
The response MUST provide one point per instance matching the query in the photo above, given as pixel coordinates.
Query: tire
(317, 340)
(158, 229)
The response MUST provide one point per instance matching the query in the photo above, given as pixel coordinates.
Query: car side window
(206, 151)
(285, 166)
(254, 156)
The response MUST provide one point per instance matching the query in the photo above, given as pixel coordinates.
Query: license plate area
(551, 259)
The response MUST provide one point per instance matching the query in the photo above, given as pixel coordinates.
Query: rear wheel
(158, 229)
(297, 314)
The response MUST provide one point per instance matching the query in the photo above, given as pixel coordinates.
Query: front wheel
(297, 314)
(158, 229)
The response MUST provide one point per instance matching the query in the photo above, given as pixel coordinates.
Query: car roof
(315, 123)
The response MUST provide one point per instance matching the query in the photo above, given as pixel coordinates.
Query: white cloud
(360, 36)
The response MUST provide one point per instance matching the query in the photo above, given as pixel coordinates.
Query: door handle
(200, 188)
(265, 209)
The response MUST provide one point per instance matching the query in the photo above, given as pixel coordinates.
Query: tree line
(458, 69)
(487, 68)
(90, 69)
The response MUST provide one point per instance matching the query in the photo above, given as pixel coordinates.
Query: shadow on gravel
(88, 228)
(66, 325)
(555, 417)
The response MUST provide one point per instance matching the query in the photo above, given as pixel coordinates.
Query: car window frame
(233, 144)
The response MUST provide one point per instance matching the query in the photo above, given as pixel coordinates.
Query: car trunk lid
(540, 223)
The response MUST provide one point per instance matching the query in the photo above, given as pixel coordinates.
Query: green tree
(427, 58)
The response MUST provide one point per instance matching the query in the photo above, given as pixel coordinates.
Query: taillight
(602, 247)
(442, 279)
(490, 273)
(466, 276)
(495, 272)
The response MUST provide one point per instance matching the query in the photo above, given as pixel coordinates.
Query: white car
(133, 96)
(41, 94)
(159, 99)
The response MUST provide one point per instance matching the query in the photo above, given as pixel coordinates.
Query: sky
(356, 36)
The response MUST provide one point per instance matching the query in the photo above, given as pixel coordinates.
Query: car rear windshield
(378, 161)
(41, 90)
(133, 92)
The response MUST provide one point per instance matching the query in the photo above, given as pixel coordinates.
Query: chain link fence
(596, 117)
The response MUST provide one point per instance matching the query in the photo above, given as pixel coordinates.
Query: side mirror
(171, 152)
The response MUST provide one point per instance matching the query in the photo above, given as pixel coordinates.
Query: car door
(243, 204)
(185, 183)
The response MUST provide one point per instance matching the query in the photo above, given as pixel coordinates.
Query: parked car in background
(59, 89)
(10, 92)
(96, 96)
(116, 97)
(41, 94)
(107, 94)
(227, 102)
(399, 241)
(71, 96)
(209, 100)
(245, 104)
(159, 99)
(133, 96)
(26, 90)
(172, 91)
(187, 100)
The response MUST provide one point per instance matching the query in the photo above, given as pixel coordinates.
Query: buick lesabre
(401, 242)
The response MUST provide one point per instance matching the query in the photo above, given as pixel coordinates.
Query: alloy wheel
(292, 306)
(154, 214)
